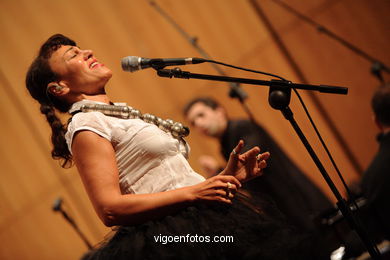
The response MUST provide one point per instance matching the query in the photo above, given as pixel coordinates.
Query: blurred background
(256, 34)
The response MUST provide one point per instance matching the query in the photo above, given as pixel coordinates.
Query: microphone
(134, 63)
(57, 204)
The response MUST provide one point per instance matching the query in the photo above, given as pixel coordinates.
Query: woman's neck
(100, 98)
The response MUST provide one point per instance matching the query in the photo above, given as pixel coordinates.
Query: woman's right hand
(220, 188)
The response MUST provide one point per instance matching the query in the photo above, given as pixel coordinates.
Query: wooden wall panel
(230, 31)
(324, 60)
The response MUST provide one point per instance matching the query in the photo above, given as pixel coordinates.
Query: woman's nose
(87, 54)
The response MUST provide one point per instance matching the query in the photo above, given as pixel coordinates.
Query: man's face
(208, 121)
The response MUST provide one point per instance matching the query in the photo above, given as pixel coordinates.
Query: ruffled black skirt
(237, 231)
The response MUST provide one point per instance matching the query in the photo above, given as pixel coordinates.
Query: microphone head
(57, 204)
(131, 63)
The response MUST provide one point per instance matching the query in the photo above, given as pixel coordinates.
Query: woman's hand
(246, 166)
(220, 188)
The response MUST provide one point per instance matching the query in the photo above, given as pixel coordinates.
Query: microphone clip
(173, 73)
(157, 64)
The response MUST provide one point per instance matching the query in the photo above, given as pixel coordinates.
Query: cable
(250, 70)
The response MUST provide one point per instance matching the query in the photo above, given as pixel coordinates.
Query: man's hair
(208, 101)
(381, 104)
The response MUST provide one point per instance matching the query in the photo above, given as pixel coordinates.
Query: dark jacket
(293, 193)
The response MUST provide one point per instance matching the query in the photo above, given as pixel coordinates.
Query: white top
(149, 160)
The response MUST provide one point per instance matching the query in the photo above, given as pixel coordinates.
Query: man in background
(283, 182)
(375, 183)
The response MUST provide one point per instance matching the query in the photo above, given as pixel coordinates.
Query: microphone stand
(279, 98)
(376, 67)
(57, 206)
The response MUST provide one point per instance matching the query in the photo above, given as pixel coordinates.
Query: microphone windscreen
(131, 63)
(57, 204)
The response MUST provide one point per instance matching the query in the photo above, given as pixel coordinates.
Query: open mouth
(94, 64)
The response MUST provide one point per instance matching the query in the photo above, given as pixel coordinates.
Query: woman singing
(134, 169)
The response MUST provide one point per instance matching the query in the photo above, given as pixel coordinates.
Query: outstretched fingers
(235, 156)
(237, 150)
(252, 153)
(262, 160)
(263, 156)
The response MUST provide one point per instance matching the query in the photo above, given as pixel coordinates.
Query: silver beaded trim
(126, 112)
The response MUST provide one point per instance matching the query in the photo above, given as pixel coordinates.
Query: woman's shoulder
(92, 121)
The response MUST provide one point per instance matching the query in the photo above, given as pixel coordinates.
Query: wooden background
(231, 31)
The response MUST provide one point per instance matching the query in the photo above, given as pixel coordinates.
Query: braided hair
(39, 75)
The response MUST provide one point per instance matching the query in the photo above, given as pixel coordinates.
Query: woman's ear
(57, 89)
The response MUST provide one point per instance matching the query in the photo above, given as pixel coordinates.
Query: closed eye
(73, 52)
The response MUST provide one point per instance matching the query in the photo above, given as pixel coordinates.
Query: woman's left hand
(246, 166)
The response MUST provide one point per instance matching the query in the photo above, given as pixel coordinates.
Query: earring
(58, 87)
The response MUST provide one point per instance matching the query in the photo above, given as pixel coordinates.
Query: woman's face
(79, 70)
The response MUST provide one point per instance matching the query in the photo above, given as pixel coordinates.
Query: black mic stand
(377, 66)
(57, 206)
(279, 98)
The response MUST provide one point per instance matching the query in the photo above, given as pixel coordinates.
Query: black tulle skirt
(243, 230)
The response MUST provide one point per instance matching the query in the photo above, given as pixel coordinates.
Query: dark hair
(39, 75)
(381, 104)
(208, 101)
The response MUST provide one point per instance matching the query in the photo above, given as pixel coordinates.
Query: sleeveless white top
(149, 160)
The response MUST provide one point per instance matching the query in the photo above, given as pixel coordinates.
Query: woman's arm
(95, 160)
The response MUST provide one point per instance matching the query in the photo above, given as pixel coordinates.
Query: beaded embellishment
(177, 129)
